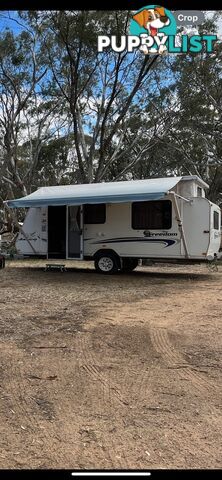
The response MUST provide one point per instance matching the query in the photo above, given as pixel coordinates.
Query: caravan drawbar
(117, 223)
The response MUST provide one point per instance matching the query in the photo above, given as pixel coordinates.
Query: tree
(71, 115)
(27, 115)
(192, 96)
(19, 75)
(101, 91)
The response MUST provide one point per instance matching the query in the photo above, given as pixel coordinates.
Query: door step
(55, 266)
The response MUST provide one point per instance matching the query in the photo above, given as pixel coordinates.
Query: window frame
(200, 190)
(148, 227)
(216, 219)
(91, 205)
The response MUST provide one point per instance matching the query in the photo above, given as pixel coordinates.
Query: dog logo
(152, 20)
(155, 22)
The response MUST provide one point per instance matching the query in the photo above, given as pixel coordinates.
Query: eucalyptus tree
(190, 94)
(102, 91)
(27, 115)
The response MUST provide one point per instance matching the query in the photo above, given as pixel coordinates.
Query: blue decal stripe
(167, 242)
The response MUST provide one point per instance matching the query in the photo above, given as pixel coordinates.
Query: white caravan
(117, 223)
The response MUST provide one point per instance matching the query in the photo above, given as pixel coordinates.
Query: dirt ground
(110, 372)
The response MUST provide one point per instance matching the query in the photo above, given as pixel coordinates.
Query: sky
(6, 22)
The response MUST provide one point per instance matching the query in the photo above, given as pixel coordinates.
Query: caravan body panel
(198, 219)
(118, 234)
(32, 239)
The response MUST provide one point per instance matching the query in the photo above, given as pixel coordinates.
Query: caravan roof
(110, 192)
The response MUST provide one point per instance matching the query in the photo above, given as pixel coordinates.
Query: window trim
(149, 228)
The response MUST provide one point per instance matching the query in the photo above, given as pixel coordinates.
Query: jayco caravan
(117, 223)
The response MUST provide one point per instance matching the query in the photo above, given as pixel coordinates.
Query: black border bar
(109, 474)
(108, 5)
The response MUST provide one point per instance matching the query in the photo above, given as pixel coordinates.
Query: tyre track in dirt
(176, 362)
(25, 414)
(111, 395)
(73, 418)
(190, 438)
(89, 460)
(137, 389)
(85, 363)
(93, 370)
(73, 456)
(135, 378)
(161, 342)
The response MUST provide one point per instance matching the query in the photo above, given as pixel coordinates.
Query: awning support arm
(180, 223)
(27, 240)
(20, 228)
(188, 200)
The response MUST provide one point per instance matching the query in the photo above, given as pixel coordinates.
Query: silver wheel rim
(105, 264)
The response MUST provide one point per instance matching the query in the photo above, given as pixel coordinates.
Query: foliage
(69, 114)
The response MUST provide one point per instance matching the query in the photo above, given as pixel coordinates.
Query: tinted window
(152, 215)
(216, 220)
(95, 213)
(199, 191)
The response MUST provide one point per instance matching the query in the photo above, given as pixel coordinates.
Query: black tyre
(129, 264)
(106, 263)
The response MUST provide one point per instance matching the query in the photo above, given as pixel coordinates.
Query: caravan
(117, 223)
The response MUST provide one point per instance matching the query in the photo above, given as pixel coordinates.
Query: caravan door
(57, 231)
(74, 247)
(196, 223)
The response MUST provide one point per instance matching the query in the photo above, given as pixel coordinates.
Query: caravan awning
(112, 192)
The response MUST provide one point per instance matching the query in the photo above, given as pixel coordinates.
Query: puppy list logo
(153, 30)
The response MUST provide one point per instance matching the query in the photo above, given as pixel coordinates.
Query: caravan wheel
(106, 263)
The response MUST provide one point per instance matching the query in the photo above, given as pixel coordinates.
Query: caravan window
(155, 215)
(199, 192)
(95, 213)
(216, 220)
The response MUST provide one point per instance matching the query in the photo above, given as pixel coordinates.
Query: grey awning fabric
(112, 192)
